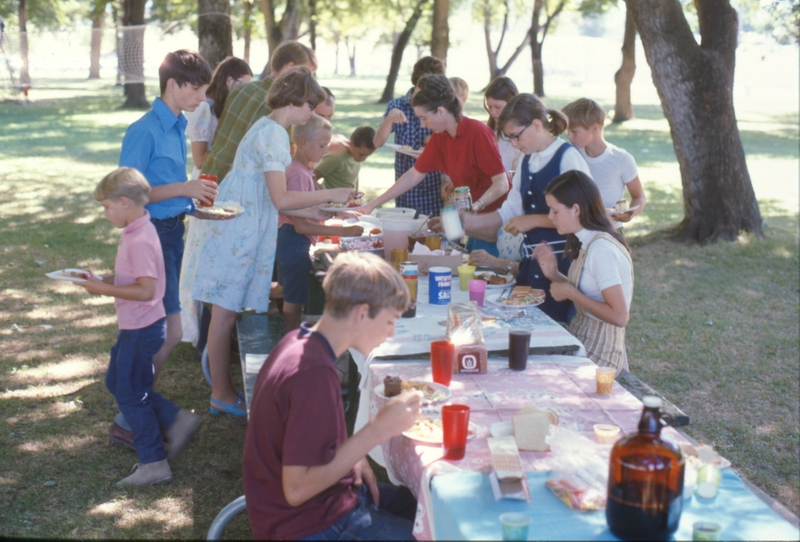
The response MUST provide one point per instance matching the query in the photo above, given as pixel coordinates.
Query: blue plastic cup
(515, 525)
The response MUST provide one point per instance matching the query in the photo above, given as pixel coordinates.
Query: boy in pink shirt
(296, 235)
(138, 285)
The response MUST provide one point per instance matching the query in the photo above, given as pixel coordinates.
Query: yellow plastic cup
(465, 274)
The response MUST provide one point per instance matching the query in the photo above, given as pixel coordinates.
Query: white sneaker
(148, 474)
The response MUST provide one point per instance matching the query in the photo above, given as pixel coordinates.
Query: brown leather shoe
(119, 436)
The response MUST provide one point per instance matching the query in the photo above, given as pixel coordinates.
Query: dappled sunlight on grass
(54, 411)
(57, 444)
(43, 391)
(168, 513)
(72, 368)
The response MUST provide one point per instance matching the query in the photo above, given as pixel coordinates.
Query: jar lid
(651, 401)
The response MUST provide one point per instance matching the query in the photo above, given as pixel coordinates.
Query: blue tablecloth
(464, 509)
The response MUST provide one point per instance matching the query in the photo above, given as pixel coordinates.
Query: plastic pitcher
(396, 228)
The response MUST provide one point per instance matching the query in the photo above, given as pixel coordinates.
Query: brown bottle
(645, 480)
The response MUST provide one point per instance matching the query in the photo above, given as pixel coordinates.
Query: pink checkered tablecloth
(563, 384)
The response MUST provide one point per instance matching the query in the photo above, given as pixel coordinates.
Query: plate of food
(429, 430)
(431, 391)
(405, 149)
(621, 208)
(221, 210)
(495, 280)
(704, 454)
(353, 204)
(73, 275)
(521, 296)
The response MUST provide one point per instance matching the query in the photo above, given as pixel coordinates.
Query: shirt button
(536, 276)
(530, 193)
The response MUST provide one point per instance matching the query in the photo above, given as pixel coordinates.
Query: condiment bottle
(451, 223)
(645, 480)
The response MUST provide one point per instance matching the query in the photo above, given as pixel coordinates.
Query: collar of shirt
(407, 97)
(167, 118)
(137, 224)
(585, 236)
(306, 331)
(539, 159)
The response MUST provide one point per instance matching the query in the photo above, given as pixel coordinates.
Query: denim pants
(393, 519)
(130, 381)
(170, 233)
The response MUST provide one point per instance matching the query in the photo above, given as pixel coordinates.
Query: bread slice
(520, 291)
(531, 425)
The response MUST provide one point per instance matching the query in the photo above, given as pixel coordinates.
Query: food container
(372, 244)
(396, 230)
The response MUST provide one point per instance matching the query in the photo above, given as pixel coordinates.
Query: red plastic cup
(442, 355)
(455, 425)
(207, 177)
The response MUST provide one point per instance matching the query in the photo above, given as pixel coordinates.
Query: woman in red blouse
(463, 148)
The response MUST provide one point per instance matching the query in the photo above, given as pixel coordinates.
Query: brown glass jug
(645, 480)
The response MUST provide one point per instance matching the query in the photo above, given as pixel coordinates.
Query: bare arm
(301, 483)
(481, 258)
(143, 290)
(636, 192)
(200, 150)
(395, 116)
(306, 227)
(201, 189)
(406, 182)
(525, 223)
(497, 190)
(483, 226)
(613, 309)
(288, 200)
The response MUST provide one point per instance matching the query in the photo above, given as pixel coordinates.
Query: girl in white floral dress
(232, 268)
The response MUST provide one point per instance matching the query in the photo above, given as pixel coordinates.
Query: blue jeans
(294, 264)
(392, 520)
(130, 381)
(170, 233)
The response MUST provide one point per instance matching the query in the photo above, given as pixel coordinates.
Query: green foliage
(778, 18)
(44, 14)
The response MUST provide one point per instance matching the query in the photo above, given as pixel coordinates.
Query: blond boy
(138, 286)
(612, 168)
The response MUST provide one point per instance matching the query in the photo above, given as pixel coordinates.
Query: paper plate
(437, 392)
(68, 274)
(493, 300)
(472, 430)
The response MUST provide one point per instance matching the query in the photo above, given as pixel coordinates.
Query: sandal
(222, 408)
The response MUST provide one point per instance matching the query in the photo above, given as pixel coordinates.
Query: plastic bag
(580, 469)
(464, 323)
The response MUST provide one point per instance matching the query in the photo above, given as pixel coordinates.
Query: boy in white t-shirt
(612, 168)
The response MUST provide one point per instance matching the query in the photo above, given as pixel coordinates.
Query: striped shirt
(425, 197)
(244, 106)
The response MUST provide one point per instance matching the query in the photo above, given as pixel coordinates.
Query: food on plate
(391, 386)
(362, 243)
(426, 428)
(375, 231)
(621, 206)
(355, 201)
(524, 295)
(531, 425)
(219, 211)
(77, 275)
(492, 278)
(698, 456)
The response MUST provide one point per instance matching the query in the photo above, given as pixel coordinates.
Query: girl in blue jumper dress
(533, 129)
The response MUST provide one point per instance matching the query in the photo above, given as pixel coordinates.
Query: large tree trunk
(132, 54)
(351, 56)
(537, 44)
(397, 52)
(312, 23)
(623, 109)
(695, 85)
(24, 74)
(248, 29)
(98, 17)
(287, 28)
(440, 37)
(214, 30)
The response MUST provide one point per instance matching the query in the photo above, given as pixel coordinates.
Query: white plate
(62, 274)
(440, 392)
(403, 150)
(218, 210)
(340, 209)
(493, 300)
(472, 430)
(614, 211)
(509, 284)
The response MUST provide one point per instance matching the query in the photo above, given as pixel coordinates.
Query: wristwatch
(509, 266)
(474, 206)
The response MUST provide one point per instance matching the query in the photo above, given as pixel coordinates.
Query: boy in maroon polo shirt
(303, 478)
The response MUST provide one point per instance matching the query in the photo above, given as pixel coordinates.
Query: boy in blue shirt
(156, 146)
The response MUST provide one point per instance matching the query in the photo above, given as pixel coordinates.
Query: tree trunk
(278, 31)
(117, 43)
(536, 51)
(440, 36)
(312, 23)
(337, 37)
(248, 29)
(24, 74)
(351, 56)
(695, 85)
(132, 58)
(623, 109)
(98, 17)
(397, 52)
(214, 30)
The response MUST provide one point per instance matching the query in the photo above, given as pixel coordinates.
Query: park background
(714, 328)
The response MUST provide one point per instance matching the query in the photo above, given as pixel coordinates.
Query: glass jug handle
(666, 419)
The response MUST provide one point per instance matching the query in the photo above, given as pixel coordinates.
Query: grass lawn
(713, 328)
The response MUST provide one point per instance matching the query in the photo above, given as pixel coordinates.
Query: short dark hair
(362, 137)
(292, 51)
(296, 87)
(331, 97)
(427, 65)
(435, 91)
(184, 66)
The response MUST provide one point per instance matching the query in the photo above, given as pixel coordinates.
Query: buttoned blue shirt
(156, 146)
(425, 197)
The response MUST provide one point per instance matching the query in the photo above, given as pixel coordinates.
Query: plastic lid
(651, 401)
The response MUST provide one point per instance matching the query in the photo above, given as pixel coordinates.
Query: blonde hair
(460, 87)
(296, 87)
(124, 182)
(584, 113)
(357, 278)
(312, 129)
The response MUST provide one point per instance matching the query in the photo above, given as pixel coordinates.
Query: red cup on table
(455, 425)
(442, 355)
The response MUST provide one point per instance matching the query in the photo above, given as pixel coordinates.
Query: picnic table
(455, 499)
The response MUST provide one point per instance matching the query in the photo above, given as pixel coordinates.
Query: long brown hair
(218, 89)
(575, 187)
(524, 108)
(501, 88)
(435, 91)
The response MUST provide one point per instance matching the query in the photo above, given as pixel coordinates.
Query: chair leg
(231, 510)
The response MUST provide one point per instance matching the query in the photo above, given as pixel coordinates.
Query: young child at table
(296, 235)
(138, 285)
(612, 168)
(302, 476)
(461, 88)
(600, 278)
(341, 170)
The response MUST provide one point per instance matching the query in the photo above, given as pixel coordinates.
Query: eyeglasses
(515, 137)
(312, 105)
